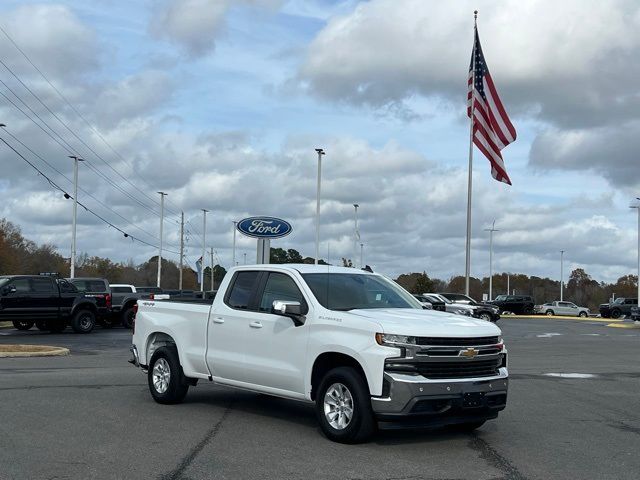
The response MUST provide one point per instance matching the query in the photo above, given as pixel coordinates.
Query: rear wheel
(615, 313)
(485, 316)
(83, 321)
(167, 382)
(343, 406)
(582, 314)
(22, 324)
(128, 317)
(42, 325)
(549, 313)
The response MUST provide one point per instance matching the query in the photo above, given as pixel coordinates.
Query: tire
(56, 326)
(485, 316)
(83, 321)
(42, 325)
(167, 382)
(22, 324)
(615, 313)
(528, 310)
(582, 314)
(549, 313)
(128, 318)
(468, 427)
(343, 388)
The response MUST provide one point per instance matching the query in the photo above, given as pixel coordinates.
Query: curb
(11, 351)
(560, 317)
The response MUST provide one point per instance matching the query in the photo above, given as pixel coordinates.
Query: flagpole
(467, 269)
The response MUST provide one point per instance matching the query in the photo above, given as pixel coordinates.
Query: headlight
(390, 340)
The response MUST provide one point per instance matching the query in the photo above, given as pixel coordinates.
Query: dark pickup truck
(49, 303)
(97, 288)
(617, 308)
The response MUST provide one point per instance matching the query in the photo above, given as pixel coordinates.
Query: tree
(423, 284)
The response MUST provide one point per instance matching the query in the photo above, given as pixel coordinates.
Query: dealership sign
(264, 227)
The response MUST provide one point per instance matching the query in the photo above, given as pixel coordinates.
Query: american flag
(492, 129)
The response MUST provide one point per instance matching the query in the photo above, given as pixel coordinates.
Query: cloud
(571, 63)
(53, 37)
(610, 151)
(195, 25)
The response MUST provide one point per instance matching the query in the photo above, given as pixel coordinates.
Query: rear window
(121, 290)
(243, 286)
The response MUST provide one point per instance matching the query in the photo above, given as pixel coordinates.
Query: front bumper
(414, 401)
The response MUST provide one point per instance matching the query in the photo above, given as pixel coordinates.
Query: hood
(427, 323)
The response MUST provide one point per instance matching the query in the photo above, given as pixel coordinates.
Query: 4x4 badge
(469, 353)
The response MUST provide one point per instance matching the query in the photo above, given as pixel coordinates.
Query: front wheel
(615, 313)
(83, 321)
(485, 316)
(167, 382)
(582, 314)
(343, 406)
(22, 324)
(549, 313)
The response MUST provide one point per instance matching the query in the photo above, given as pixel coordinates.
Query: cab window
(280, 286)
(21, 285)
(243, 286)
(42, 285)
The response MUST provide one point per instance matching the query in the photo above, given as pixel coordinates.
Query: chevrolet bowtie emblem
(469, 353)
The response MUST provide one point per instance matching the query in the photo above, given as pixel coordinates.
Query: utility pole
(637, 207)
(508, 284)
(320, 153)
(561, 274)
(491, 230)
(181, 249)
(162, 195)
(204, 239)
(235, 227)
(211, 254)
(356, 235)
(361, 252)
(75, 213)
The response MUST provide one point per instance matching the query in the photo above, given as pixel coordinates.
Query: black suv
(51, 303)
(485, 311)
(518, 304)
(620, 306)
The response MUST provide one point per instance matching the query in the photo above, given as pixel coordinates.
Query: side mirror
(289, 309)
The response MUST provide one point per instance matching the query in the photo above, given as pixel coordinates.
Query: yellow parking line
(559, 317)
(623, 325)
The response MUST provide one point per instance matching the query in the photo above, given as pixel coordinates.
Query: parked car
(436, 302)
(518, 304)
(97, 288)
(620, 306)
(426, 304)
(48, 302)
(485, 311)
(457, 308)
(561, 308)
(355, 343)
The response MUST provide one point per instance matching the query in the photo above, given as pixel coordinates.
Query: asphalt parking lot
(89, 415)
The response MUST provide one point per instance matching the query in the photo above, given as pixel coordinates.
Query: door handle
(255, 325)
(218, 320)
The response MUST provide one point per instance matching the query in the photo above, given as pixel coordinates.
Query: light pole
(637, 207)
(320, 153)
(162, 195)
(561, 274)
(75, 213)
(204, 239)
(491, 230)
(235, 227)
(356, 235)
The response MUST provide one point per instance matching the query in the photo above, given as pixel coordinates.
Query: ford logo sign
(264, 227)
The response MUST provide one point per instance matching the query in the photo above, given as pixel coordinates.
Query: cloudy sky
(221, 103)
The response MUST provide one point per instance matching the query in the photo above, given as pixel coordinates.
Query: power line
(129, 222)
(72, 107)
(58, 187)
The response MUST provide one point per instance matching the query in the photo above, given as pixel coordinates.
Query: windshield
(444, 299)
(345, 291)
(619, 300)
(501, 298)
(4, 281)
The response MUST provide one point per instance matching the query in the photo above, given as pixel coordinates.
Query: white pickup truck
(354, 343)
